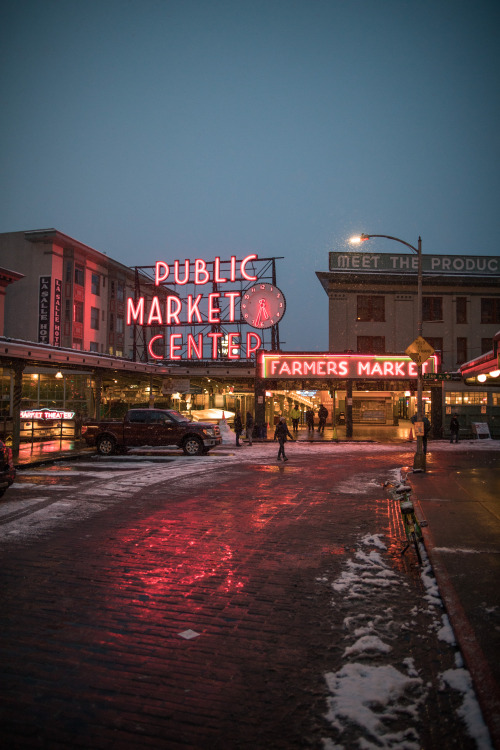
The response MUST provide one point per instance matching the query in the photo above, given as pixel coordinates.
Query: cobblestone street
(215, 610)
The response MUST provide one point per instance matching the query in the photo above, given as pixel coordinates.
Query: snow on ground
(376, 697)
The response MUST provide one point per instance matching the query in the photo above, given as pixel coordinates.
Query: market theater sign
(343, 366)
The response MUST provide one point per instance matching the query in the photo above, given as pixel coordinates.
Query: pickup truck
(151, 427)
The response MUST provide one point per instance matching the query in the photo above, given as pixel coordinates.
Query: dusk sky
(171, 129)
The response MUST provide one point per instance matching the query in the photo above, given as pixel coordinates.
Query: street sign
(440, 376)
(419, 350)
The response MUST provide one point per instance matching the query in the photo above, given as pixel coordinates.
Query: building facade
(71, 295)
(373, 310)
(373, 303)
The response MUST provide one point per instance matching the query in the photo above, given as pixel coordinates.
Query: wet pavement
(224, 602)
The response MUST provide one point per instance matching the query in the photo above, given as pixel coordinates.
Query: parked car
(152, 427)
(7, 468)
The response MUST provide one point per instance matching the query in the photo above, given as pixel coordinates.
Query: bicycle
(401, 492)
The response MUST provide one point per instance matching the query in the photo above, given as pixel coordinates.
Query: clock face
(262, 306)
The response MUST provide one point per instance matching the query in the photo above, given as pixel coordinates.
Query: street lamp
(419, 458)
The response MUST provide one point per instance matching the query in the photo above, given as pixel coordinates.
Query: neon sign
(344, 366)
(46, 414)
(215, 309)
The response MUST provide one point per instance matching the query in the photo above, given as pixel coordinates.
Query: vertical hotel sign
(57, 311)
(44, 310)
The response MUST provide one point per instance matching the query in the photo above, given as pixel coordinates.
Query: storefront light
(494, 373)
(481, 378)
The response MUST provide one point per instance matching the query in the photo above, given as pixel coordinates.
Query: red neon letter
(230, 345)
(243, 269)
(175, 347)
(193, 308)
(191, 346)
(161, 272)
(233, 267)
(258, 343)
(201, 275)
(213, 312)
(154, 313)
(135, 312)
(173, 309)
(215, 337)
(232, 296)
(150, 347)
(186, 272)
(217, 277)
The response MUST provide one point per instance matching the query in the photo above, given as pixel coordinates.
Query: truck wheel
(106, 445)
(193, 446)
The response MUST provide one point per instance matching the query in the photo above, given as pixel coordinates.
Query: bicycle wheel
(414, 540)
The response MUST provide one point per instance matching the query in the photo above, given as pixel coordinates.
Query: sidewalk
(459, 497)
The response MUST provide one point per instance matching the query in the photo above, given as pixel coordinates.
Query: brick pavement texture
(250, 559)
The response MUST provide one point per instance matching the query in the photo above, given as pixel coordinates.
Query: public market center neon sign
(196, 309)
(343, 366)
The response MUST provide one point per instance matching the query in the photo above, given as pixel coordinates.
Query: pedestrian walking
(281, 434)
(310, 420)
(238, 428)
(454, 428)
(295, 417)
(323, 416)
(249, 424)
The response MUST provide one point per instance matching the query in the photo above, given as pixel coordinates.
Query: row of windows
(376, 345)
(117, 288)
(372, 309)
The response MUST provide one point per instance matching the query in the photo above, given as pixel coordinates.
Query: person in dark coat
(454, 428)
(310, 419)
(238, 428)
(249, 427)
(323, 416)
(280, 434)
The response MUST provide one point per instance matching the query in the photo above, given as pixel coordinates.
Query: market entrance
(374, 400)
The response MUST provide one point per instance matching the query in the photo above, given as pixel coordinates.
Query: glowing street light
(419, 459)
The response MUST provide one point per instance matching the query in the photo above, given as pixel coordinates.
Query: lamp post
(419, 458)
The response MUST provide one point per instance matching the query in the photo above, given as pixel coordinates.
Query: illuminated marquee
(343, 366)
(206, 310)
(46, 414)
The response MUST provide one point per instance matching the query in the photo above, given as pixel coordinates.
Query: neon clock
(262, 306)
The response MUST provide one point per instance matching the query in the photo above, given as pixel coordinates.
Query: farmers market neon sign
(345, 366)
(199, 309)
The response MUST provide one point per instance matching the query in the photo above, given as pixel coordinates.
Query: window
(119, 325)
(67, 309)
(495, 399)
(473, 398)
(120, 291)
(432, 308)
(79, 275)
(490, 310)
(94, 318)
(94, 346)
(461, 349)
(486, 345)
(371, 308)
(95, 284)
(371, 344)
(78, 312)
(436, 342)
(69, 271)
(461, 310)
